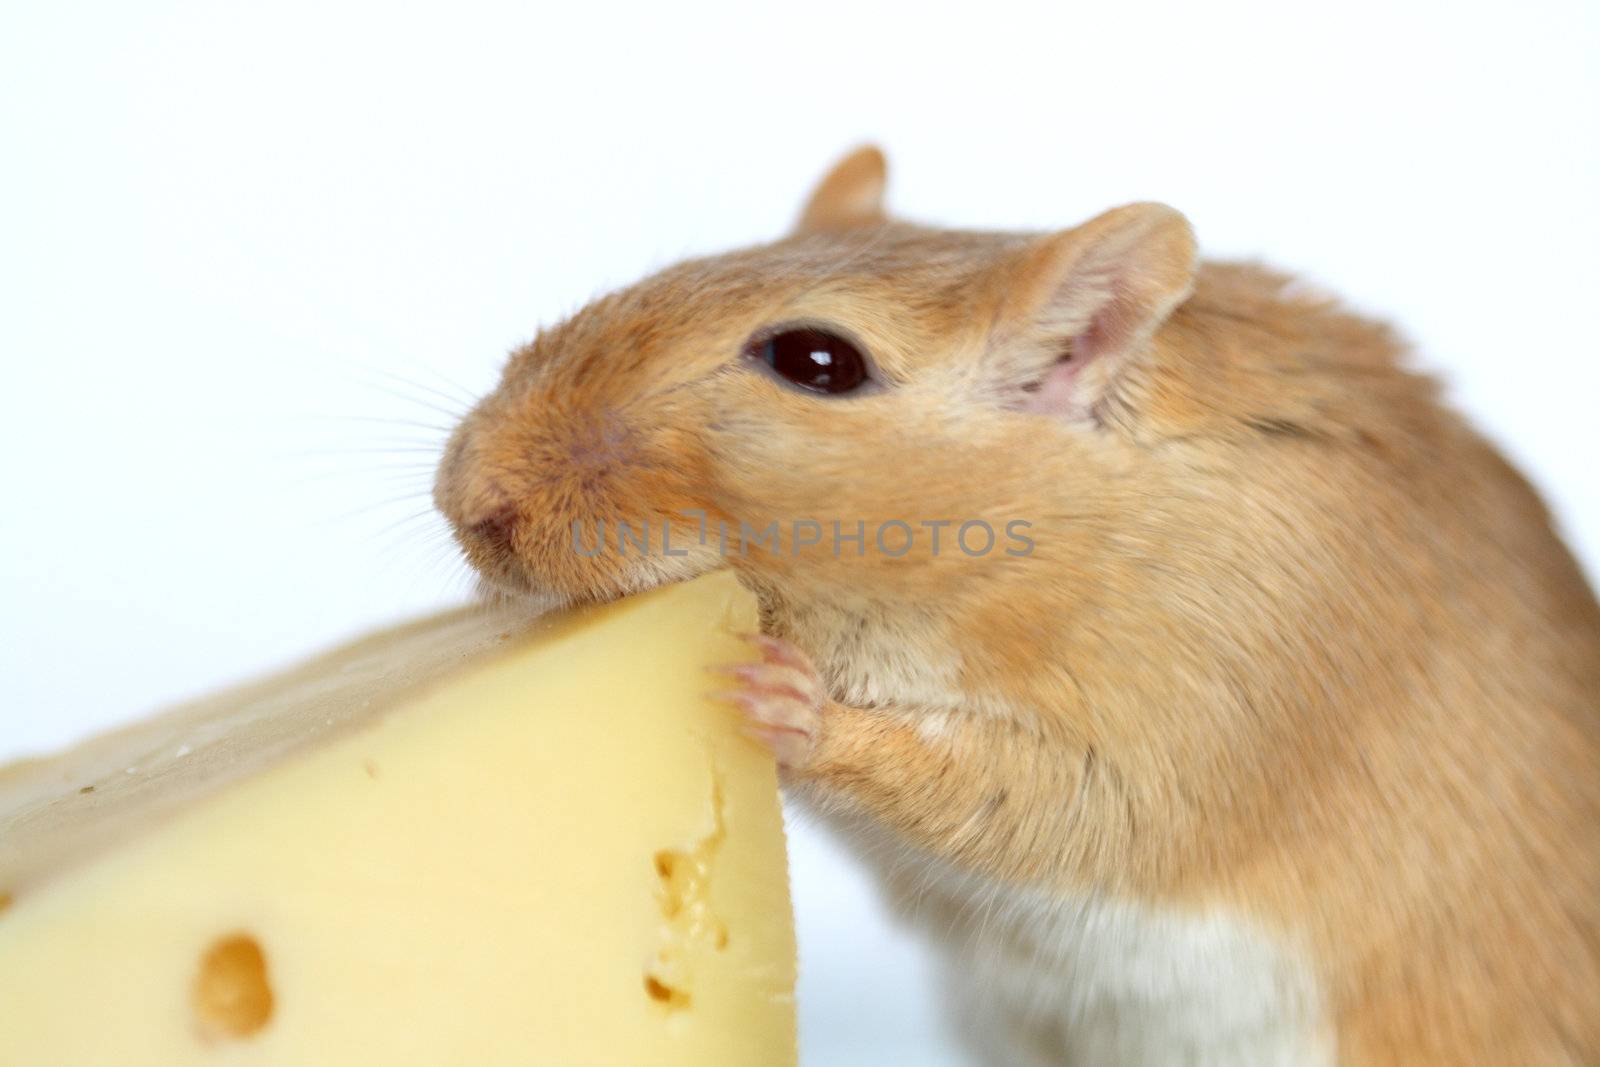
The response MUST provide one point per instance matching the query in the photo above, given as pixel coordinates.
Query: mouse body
(1204, 687)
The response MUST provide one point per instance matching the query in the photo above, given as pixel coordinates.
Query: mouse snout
(496, 530)
(538, 491)
(483, 511)
(480, 507)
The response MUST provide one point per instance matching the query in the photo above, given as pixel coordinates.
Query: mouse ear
(851, 194)
(1078, 305)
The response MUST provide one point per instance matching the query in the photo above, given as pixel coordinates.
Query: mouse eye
(815, 360)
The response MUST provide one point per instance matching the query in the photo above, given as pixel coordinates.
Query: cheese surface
(471, 840)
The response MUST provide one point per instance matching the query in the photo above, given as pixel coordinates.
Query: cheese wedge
(472, 840)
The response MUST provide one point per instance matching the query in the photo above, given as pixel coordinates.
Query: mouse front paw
(782, 698)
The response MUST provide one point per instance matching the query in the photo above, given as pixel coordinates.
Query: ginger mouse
(1202, 686)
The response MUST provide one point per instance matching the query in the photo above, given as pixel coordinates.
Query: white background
(232, 234)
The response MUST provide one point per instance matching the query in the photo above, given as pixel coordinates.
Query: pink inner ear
(1058, 392)
(1055, 393)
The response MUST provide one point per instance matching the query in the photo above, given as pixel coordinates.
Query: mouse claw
(782, 698)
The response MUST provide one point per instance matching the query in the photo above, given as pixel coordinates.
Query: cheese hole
(232, 998)
(674, 876)
(5, 900)
(663, 993)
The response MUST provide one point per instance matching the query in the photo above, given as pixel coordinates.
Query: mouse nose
(496, 529)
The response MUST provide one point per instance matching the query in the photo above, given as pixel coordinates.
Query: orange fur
(1294, 642)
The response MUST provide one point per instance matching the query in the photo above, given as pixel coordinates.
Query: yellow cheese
(472, 840)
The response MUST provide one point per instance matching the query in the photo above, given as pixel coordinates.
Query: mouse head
(865, 404)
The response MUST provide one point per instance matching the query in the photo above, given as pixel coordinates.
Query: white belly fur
(1036, 978)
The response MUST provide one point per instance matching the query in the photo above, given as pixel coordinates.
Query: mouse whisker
(379, 505)
(455, 411)
(464, 396)
(379, 420)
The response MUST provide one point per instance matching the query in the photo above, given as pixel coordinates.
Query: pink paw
(782, 698)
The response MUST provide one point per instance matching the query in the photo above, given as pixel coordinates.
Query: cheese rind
(543, 845)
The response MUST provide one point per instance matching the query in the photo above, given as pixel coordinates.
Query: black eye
(814, 359)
